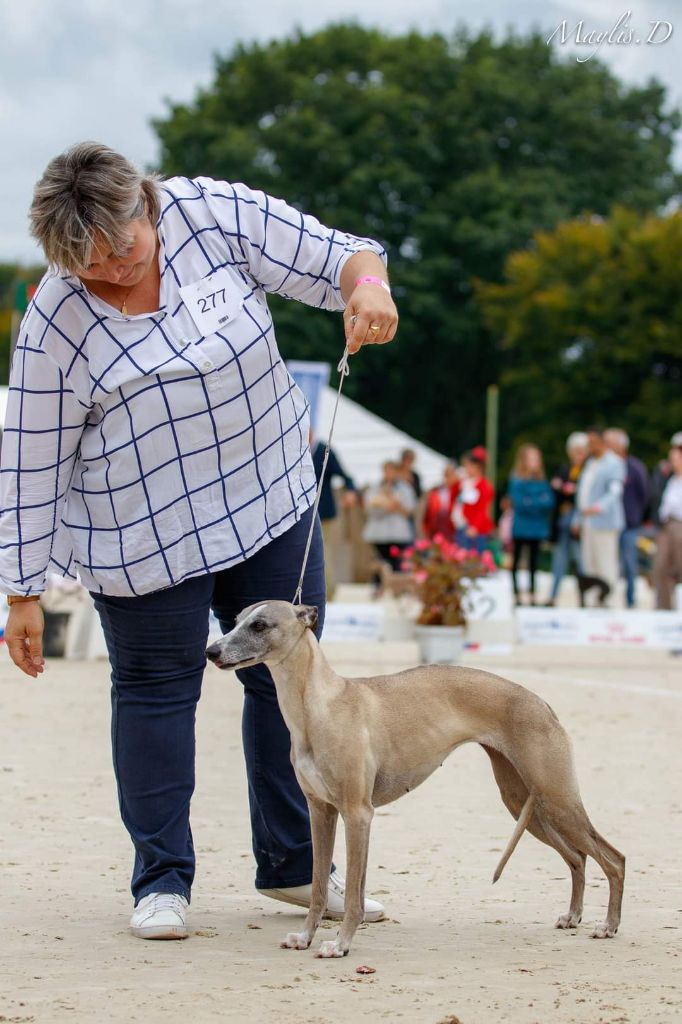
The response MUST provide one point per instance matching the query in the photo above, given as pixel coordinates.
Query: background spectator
(531, 500)
(327, 508)
(660, 477)
(565, 485)
(471, 513)
(636, 494)
(409, 474)
(390, 507)
(668, 564)
(440, 502)
(600, 511)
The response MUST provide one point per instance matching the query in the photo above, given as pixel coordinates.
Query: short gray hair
(576, 440)
(617, 436)
(89, 190)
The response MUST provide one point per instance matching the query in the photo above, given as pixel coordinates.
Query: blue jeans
(629, 562)
(156, 646)
(478, 543)
(565, 547)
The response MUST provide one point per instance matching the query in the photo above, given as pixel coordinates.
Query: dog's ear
(307, 614)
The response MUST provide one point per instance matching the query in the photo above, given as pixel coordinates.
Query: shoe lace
(169, 901)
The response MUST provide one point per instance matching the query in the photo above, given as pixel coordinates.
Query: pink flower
(394, 551)
(421, 576)
(438, 538)
(408, 552)
(422, 544)
(488, 560)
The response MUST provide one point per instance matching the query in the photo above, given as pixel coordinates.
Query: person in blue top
(532, 500)
(327, 509)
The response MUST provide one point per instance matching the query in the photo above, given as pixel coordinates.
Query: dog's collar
(291, 650)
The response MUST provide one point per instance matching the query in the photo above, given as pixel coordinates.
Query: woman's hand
(371, 317)
(24, 636)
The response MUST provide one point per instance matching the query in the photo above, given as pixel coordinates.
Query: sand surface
(453, 948)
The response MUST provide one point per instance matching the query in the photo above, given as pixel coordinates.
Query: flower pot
(440, 645)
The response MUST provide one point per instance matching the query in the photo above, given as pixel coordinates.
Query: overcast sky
(101, 69)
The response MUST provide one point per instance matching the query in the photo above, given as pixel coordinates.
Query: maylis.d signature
(621, 34)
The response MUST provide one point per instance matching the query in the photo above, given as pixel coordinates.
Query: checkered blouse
(139, 451)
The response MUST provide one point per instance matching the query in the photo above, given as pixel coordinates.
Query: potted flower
(444, 574)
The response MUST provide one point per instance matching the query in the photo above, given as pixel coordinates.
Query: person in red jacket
(440, 502)
(472, 512)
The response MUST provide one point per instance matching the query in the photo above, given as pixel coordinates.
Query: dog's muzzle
(213, 654)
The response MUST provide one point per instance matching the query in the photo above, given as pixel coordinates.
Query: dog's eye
(258, 626)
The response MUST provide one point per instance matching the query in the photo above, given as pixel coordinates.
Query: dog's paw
(604, 931)
(296, 940)
(569, 920)
(331, 949)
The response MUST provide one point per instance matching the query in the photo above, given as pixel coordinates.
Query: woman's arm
(292, 254)
(43, 427)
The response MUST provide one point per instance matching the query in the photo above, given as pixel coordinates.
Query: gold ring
(374, 328)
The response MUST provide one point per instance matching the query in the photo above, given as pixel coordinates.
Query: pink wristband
(373, 280)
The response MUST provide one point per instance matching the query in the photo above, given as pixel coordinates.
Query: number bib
(212, 301)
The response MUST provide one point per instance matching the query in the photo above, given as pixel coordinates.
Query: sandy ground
(453, 948)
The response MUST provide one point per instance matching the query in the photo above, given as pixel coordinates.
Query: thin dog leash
(343, 369)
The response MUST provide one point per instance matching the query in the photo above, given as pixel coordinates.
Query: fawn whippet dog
(357, 744)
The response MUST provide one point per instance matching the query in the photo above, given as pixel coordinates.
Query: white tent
(363, 441)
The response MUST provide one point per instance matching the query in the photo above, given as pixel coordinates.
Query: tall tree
(591, 321)
(452, 152)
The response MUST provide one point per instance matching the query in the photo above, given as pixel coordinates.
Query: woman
(440, 501)
(155, 443)
(390, 507)
(668, 564)
(471, 514)
(565, 487)
(531, 500)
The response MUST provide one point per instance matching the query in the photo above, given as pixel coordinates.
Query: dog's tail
(524, 818)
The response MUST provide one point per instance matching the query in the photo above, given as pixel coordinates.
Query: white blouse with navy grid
(137, 451)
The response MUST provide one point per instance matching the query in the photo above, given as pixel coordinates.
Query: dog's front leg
(357, 821)
(323, 819)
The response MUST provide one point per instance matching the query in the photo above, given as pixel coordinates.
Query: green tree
(591, 322)
(452, 152)
(11, 275)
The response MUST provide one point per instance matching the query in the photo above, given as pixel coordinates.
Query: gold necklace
(124, 307)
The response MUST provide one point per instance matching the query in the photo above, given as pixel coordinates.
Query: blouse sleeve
(285, 251)
(44, 422)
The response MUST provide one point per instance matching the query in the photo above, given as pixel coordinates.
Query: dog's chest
(309, 777)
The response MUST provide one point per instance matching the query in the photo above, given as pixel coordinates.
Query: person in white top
(156, 447)
(668, 563)
(600, 513)
(390, 506)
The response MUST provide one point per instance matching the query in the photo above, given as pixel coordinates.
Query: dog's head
(262, 632)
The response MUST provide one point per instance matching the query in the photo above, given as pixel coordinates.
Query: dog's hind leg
(323, 819)
(578, 831)
(612, 863)
(515, 793)
(574, 915)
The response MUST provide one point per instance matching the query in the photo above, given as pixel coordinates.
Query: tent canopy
(363, 441)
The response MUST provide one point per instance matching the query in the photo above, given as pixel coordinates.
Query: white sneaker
(160, 915)
(299, 896)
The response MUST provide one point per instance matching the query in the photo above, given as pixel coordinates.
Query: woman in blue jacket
(532, 500)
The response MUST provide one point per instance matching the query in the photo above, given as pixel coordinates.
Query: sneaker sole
(160, 932)
(371, 916)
